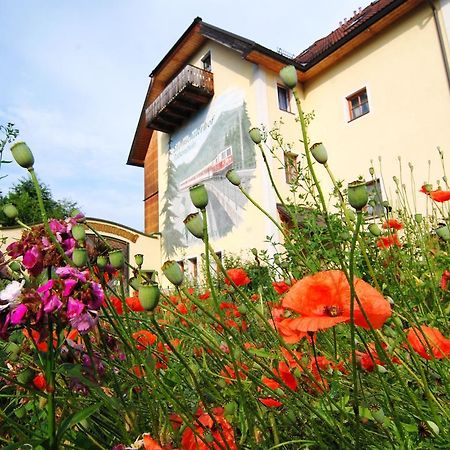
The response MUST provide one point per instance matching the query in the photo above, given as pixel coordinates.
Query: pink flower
(74, 308)
(18, 314)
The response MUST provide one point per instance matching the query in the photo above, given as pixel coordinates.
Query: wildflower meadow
(338, 341)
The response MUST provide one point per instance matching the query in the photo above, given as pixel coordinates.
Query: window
(375, 204)
(192, 269)
(206, 61)
(283, 98)
(290, 167)
(358, 104)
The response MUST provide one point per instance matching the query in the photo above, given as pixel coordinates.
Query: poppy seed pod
(319, 153)
(443, 232)
(116, 259)
(173, 272)
(139, 259)
(288, 75)
(22, 154)
(255, 135)
(149, 297)
(374, 229)
(194, 224)
(10, 211)
(134, 283)
(79, 257)
(102, 261)
(78, 232)
(418, 218)
(357, 194)
(199, 196)
(233, 177)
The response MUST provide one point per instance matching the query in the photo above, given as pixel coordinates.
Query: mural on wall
(202, 151)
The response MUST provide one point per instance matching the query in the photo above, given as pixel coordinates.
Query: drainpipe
(441, 40)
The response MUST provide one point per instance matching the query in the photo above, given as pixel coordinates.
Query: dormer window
(206, 61)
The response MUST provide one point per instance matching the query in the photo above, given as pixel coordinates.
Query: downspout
(441, 40)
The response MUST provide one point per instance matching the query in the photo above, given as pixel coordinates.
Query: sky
(74, 74)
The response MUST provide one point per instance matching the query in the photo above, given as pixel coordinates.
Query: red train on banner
(218, 166)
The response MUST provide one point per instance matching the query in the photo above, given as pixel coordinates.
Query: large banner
(202, 151)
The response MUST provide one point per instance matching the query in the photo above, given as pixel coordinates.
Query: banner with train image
(202, 151)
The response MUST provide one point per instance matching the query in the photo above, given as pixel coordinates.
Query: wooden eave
(340, 50)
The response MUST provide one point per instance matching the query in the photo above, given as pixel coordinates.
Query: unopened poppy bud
(149, 297)
(377, 413)
(427, 187)
(319, 153)
(381, 369)
(78, 232)
(116, 259)
(233, 177)
(102, 261)
(22, 154)
(139, 259)
(194, 223)
(199, 196)
(418, 218)
(79, 257)
(357, 194)
(443, 232)
(10, 211)
(255, 135)
(288, 75)
(371, 171)
(173, 272)
(428, 427)
(374, 229)
(134, 283)
(254, 251)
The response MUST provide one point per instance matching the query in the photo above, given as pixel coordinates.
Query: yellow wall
(409, 102)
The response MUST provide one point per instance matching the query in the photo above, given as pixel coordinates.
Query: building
(379, 86)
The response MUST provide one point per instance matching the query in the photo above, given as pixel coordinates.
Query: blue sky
(74, 75)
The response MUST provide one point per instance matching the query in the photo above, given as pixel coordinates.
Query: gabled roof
(316, 58)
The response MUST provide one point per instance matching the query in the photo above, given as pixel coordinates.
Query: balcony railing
(189, 91)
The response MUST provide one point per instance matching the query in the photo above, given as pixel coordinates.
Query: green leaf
(76, 418)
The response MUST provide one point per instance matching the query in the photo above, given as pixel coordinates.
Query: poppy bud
(357, 194)
(443, 232)
(288, 75)
(78, 232)
(116, 259)
(173, 272)
(233, 177)
(319, 153)
(377, 413)
(22, 154)
(79, 257)
(194, 224)
(255, 135)
(374, 229)
(10, 211)
(371, 171)
(199, 196)
(101, 261)
(149, 297)
(418, 218)
(139, 259)
(427, 187)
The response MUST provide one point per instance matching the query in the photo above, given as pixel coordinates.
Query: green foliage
(24, 197)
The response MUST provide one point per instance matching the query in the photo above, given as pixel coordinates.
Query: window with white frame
(283, 98)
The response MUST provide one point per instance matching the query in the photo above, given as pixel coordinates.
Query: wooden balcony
(188, 92)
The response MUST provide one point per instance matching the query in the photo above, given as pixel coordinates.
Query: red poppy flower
(144, 339)
(369, 359)
(205, 295)
(438, 195)
(134, 304)
(39, 382)
(182, 308)
(428, 340)
(388, 241)
(229, 374)
(287, 330)
(117, 304)
(150, 443)
(192, 441)
(323, 300)
(238, 276)
(445, 279)
(393, 224)
(270, 402)
(280, 287)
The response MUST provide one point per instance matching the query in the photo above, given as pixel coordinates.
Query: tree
(23, 196)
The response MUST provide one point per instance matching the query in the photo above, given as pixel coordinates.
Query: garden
(338, 341)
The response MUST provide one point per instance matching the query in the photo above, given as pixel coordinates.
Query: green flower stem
(44, 217)
(23, 225)
(50, 380)
(352, 324)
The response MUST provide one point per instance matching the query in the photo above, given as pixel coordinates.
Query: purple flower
(31, 257)
(18, 314)
(98, 296)
(46, 287)
(69, 284)
(84, 322)
(74, 308)
(65, 272)
(52, 303)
